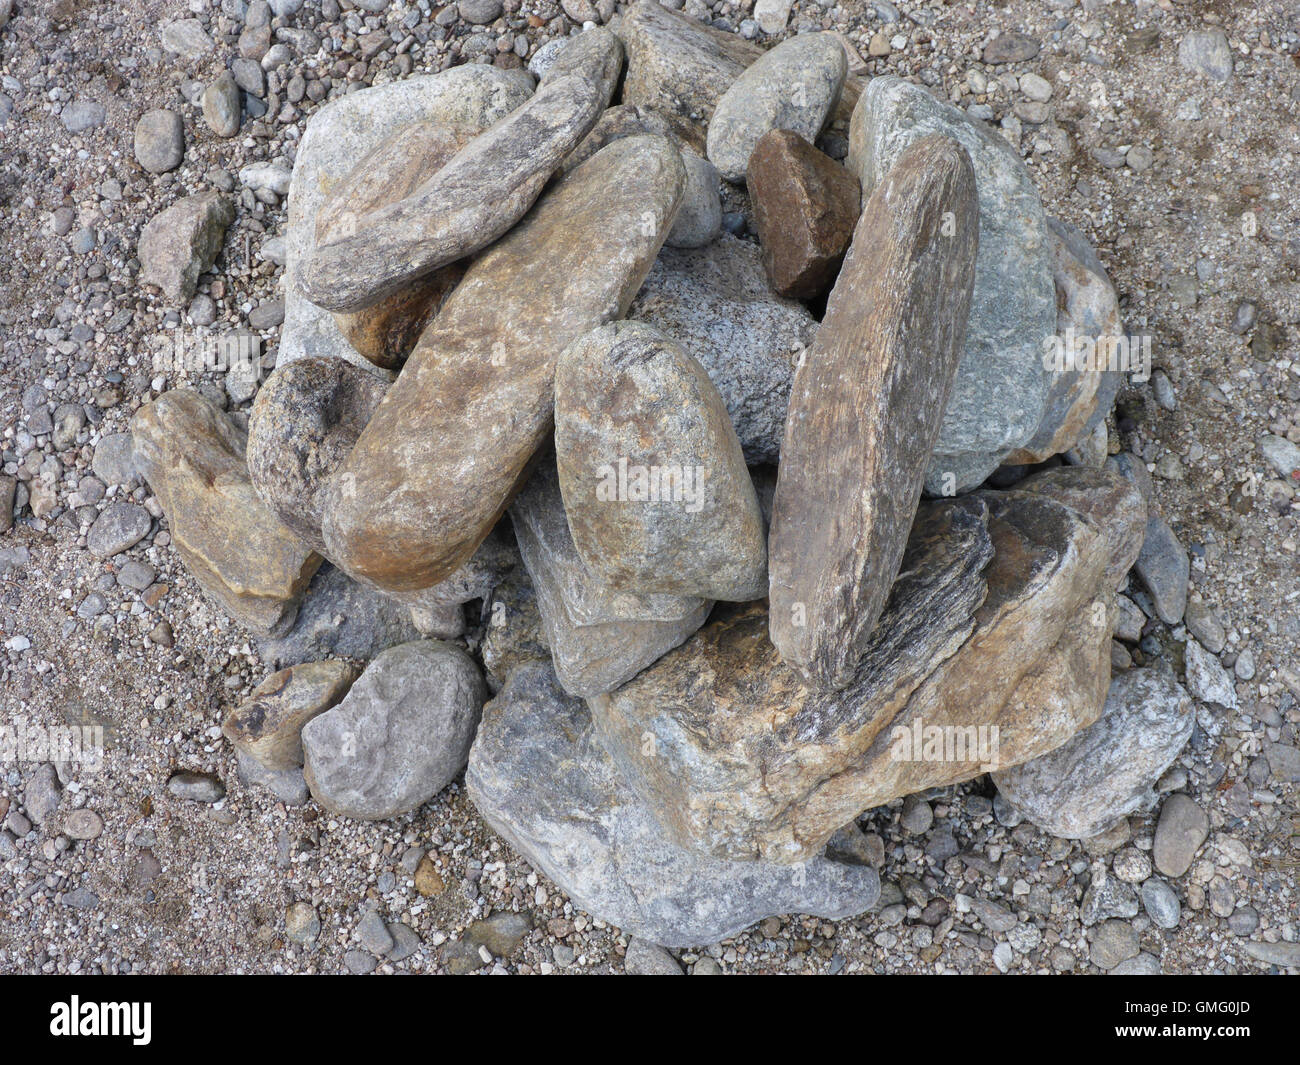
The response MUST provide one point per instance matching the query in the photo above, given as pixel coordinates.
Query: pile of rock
(720, 621)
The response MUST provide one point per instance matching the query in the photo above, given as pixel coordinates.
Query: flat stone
(449, 444)
(1161, 903)
(541, 779)
(242, 556)
(120, 526)
(806, 206)
(81, 116)
(865, 411)
(83, 824)
(187, 38)
(114, 461)
(718, 304)
(1281, 454)
(1164, 569)
(159, 141)
(1181, 830)
(479, 194)
(598, 637)
(196, 787)
(1011, 47)
(348, 129)
(182, 242)
(795, 87)
(1109, 770)
(267, 726)
(997, 400)
(1207, 52)
(1113, 942)
(305, 421)
(675, 511)
(400, 735)
(1207, 679)
(1283, 955)
(1020, 647)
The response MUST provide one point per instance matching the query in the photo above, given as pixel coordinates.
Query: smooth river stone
(598, 637)
(738, 758)
(250, 563)
(447, 449)
(345, 130)
(305, 420)
(540, 777)
(385, 332)
(865, 410)
(479, 194)
(998, 397)
(654, 482)
(794, 86)
(718, 304)
(806, 206)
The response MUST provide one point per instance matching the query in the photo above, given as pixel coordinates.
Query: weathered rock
(998, 397)
(1207, 52)
(540, 777)
(287, 785)
(192, 455)
(865, 411)
(267, 726)
(399, 736)
(699, 219)
(1181, 830)
(513, 629)
(1162, 565)
(448, 446)
(222, 106)
(655, 487)
(473, 94)
(478, 194)
(738, 758)
(1107, 771)
(1207, 679)
(718, 304)
(182, 242)
(794, 86)
(615, 123)
(305, 421)
(159, 141)
(598, 637)
(118, 527)
(805, 208)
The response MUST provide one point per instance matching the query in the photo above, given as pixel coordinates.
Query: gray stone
(998, 397)
(373, 933)
(1283, 762)
(159, 141)
(120, 526)
(1206, 52)
(795, 86)
(196, 787)
(542, 780)
(1105, 898)
(401, 734)
(1181, 830)
(1108, 770)
(114, 461)
(1206, 677)
(182, 242)
(186, 38)
(1283, 955)
(479, 12)
(1164, 568)
(1281, 454)
(301, 923)
(41, 793)
(699, 218)
(1201, 623)
(287, 785)
(1160, 903)
(1143, 964)
(267, 176)
(222, 105)
(598, 638)
(1113, 942)
(647, 959)
(82, 115)
(718, 304)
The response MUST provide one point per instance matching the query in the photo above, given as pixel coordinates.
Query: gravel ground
(1185, 185)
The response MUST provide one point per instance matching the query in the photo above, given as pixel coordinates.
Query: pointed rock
(178, 244)
(267, 726)
(865, 410)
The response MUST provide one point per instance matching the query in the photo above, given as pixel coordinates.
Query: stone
(1281, 454)
(114, 460)
(957, 651)
(1204, 625)
(501, 934)
(1107, 897)
(1283, 762)
(647, 959)
(1207, 679)
(83, 824)
(622, 120)
(448, 446)
(159, 141)
(514, 631)
(699, 219)
(1011, 47)
(1207, 52)
(479, 12)
(222, 107)
(598, 638)
(540, 777)
(81, 116)
(718, 304)
(1107, 771)
(1180, 831)
(186, 38)
(795, 87)
(267, 726)
(196, 787)
(192, 455)
(287, 785)
(655, 488)
(1162, 565)
(865, 411)
(305, 421)
(182, 242)
(41, 793)
(400, 735)
(1283, 955)
(1160, 903)
(997, 400)
(806, 206)
(348, 129)
(479, 194)
(301, 923)
(120, 526)
(1113, 942)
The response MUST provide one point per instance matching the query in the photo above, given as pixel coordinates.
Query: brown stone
(866, 407)
(449, 445)
(192, 455)
(625, 120)
(267, 726)
(805, 207)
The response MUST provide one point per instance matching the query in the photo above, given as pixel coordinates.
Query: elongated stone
(623, 120)
(539, 776)
(865, 410)
(479, 194)
(738, 758)
(448, 446)
(598, 637)
(267, 726)
(794, 86)
(806, 206)
(192, 455)
(998, 397)
(655, 487)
